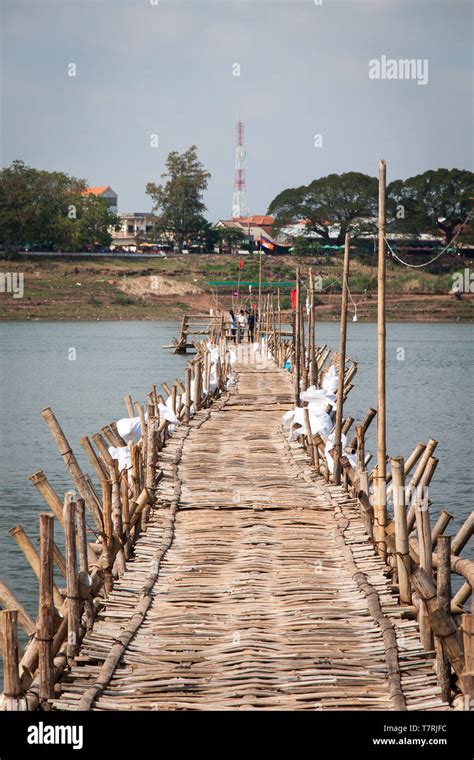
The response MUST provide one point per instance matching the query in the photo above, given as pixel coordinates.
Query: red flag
(241, 263)
(293, 299)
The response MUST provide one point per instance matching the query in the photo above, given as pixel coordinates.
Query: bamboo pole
(259, 332)
(129, 406)
(342, 364)
(45, 625)
(71, 576)
(196, 389)
(296, 340)
(380, 493)
(71, 463)
(12, 689)
(9, 601)
(441, 622)
(463, 535)
(41, 483)
(443, 591)
(420, 494)
(360, 433)
(420, 468)
(425, 558)
(83, 559)
(468, 671)
(401, 530)
(440, 526)
(33, 557)
(365, 425)
(461, 597)
(187, 385)
(313, 377)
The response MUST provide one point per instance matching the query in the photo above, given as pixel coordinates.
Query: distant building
(136, 228)
(252, 226)
(108, 195)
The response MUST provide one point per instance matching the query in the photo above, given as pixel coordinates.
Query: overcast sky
(168, 69)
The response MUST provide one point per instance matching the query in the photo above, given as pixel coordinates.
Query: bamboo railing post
(71, 577)
(380, 493)
(107, 536)
(443, 591)
(360, 434)
(313, 377)
(187, 385)
(426, 563)
(401, 530)
(83, 558)
(12, 689)
(151, 456)
(125, 501)
(442, 623)
(45, 624)
(296, 340)
(197, 383)
(467, 678)
(342, 364)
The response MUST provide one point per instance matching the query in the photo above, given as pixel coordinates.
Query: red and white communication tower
(239, 198)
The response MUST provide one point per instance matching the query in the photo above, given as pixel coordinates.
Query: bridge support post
(380, 506)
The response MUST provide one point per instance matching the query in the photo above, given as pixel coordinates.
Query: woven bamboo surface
(256, 605)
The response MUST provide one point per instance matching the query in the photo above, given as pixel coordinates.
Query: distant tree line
(49, 210)
(434, 202)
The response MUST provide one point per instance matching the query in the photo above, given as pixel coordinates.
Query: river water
(428, 383)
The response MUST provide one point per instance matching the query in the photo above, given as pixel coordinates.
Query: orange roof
(96, 190)
(259, 220)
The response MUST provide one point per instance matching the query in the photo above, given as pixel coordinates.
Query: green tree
(50, 210)
(432, 202)
(230, 238)
(338, 202)
(179, 199)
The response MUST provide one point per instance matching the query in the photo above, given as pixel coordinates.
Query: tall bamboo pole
(401, 530)
(312, 338)
(342, 363)
(443, 593)
(71, 576)
(45, 624)
(380, 506)
(259, 332)
(296, 338)
(12, 689)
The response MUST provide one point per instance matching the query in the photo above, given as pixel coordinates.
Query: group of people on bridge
(243, 324)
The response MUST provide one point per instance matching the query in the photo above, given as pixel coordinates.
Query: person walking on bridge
(233, 325)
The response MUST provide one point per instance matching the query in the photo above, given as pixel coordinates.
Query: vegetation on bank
(68, 289)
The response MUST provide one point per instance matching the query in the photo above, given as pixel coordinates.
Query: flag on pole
(241, 263)
(293, 299)
(267, 243)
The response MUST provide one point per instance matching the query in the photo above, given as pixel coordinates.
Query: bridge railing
(98, 526)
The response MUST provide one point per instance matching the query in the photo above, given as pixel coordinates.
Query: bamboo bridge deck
(266, 592)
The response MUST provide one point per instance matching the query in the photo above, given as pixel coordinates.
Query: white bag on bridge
(122, 454)
(129, 429)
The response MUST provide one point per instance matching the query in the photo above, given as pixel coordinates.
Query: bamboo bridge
(229, 570)
(232, 549)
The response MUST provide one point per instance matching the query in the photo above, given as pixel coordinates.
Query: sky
(187, 71)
